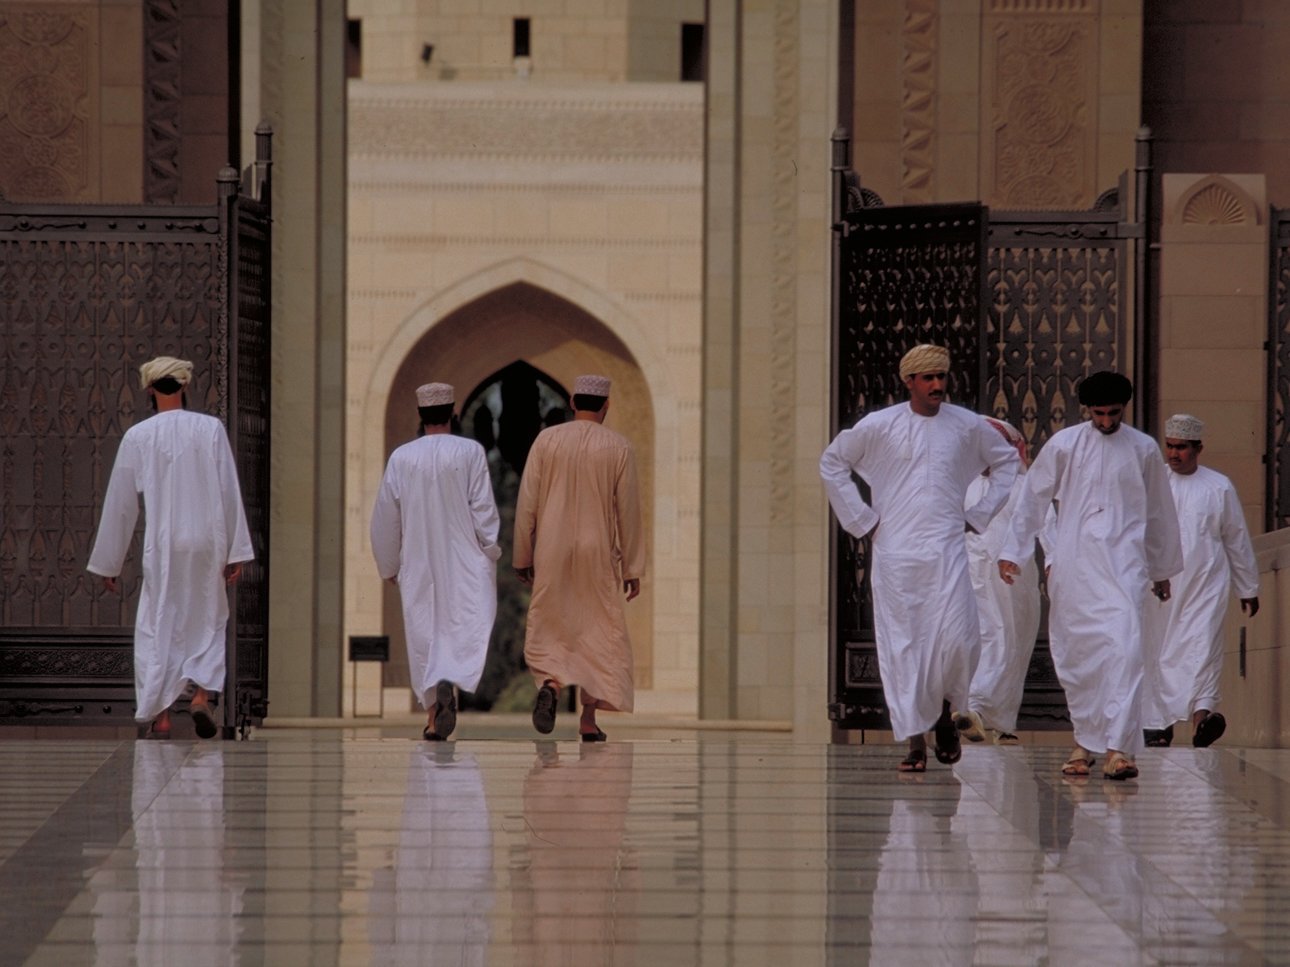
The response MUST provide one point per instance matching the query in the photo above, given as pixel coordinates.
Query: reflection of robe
(918, 469)
(1116, 532)
(925, 897)
(435, 527)
(187, 912)
(578, 525)
(576, 897)
(183, 466)
(1008, 615)
(434, 906)
(998, 819)
(1184, 635)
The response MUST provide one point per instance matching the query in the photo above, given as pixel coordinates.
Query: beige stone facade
(555, 224)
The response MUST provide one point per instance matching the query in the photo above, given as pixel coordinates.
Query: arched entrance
(512, 355)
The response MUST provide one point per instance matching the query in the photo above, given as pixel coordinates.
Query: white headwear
(180, 370)
(924, 359)
(1009, 431)
(591, 386)
(435, 394)
(1183, 426)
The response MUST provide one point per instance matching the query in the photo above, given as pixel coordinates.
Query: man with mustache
(1184, 644)
(919, 459)
(1115, 544)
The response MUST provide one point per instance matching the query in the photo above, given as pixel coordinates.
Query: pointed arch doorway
(512, 355)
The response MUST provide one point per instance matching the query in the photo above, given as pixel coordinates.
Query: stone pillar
(302, 94)
(1213, 320)
(771, 108)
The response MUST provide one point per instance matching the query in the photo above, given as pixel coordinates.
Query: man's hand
(232, 572)
(1008, 570)
(1161, 589)
(111, 585)
(632, 587)
(525, 574)
(394, 580)
(1250, 606)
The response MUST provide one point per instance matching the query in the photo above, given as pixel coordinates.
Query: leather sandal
(916, 761)
(1119, 767)
(1080, 763)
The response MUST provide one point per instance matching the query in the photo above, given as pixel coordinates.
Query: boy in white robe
(195, 542)
(1184, 644)
(918, 459)
(1115, 544)
(1009, 616)
(434, 535)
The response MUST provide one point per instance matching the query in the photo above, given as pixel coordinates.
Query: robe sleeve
(627, 511)
(525, 537)
(997, 454)
(387, 526)
(1236, 541)
(238, 535)
(1163, 542)
(1037, 490)
(483, 508)
(839, 460)
(120, 514)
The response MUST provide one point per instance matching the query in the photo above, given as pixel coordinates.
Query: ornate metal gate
(1027, 303)
(86, 294)
(1278, 451)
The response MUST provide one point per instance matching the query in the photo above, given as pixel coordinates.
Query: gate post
(227, 195)
(1146, 365)
(841, 160)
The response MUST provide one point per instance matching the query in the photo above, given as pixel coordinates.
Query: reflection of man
(580, 545)
(1183, 640)
(195, 540)
(1008, 613)
(918, 460)
(1116, 540)
(434, 534)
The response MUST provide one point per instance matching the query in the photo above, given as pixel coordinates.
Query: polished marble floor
(324, 847)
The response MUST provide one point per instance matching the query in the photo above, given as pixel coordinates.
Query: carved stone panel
(1040, 104)
(48, 101)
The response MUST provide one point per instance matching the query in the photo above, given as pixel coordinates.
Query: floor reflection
(325, 848)
(574, 880)
(174, 900)
(434, 904)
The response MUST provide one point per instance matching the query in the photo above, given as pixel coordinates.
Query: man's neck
(592, 415)
(167, 403)
(434, 429)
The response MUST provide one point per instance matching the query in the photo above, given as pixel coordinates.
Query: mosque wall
(505, 221)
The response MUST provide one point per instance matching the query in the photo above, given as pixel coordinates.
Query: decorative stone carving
(45, 97)
(783, 308)
(918, 101)
(1216, 201)
(1041, 98)
(161, 101)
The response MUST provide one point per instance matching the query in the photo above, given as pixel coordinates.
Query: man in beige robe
(579, 544)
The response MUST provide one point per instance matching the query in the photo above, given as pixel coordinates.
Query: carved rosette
(45, 72)
(1041, 99)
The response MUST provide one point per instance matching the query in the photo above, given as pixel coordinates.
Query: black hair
(167, 385)
(587, 402)
(435, 415)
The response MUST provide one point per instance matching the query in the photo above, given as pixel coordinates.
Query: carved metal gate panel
(905, 276)
(1278, 441)
(86, 295)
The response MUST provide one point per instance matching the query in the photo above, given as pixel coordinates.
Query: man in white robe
(918, 459)
(1115, 543)
(1184, 644)
(1008, 613)
(434, 535)
(195, 541)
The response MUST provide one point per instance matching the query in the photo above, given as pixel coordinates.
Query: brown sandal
(916, 761)
(1119, 767)
(1079, 764)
